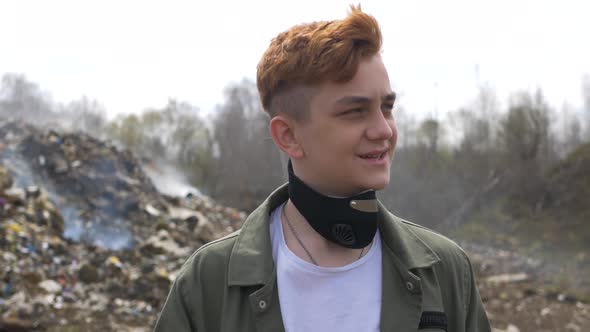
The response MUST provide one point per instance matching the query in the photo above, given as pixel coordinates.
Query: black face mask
(350, 222)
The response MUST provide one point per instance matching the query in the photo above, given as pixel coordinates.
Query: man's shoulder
(211, 257)
(443, 246)
(219, 248)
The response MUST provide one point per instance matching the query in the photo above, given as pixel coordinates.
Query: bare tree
(572, 131)
(22, 99)
(430, 131)
(86, 115)
(406, 126)
(248, 165)
(586, 98)
(524, 133)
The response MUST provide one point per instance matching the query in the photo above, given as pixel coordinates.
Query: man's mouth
(373, 156)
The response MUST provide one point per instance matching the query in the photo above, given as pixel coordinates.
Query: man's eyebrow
(363, 100)
(352, 100)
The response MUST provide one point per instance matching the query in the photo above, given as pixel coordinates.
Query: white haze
(131, 55)
(169, 181)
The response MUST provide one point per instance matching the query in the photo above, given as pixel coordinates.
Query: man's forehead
(368, 86)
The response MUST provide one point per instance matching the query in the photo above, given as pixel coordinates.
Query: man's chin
(381, 187)
(378, 185)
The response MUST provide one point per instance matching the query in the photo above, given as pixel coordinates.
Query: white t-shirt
(314, 298)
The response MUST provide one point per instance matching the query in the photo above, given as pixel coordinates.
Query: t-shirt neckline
(301, 263)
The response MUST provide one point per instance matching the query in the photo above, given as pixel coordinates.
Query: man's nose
(379, 127)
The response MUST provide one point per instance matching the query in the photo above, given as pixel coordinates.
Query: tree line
(443, 170)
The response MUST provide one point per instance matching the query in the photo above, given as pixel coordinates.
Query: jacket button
(409, 286)
(262, 304)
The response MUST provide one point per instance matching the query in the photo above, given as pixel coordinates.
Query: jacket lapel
(251, 265)
(405, 294)
(251, 261)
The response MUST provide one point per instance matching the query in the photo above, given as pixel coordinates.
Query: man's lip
(374, 152)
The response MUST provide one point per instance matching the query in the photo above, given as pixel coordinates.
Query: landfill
(88, 243)
(86, 240)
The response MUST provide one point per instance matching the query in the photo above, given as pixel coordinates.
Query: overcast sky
(130, 55)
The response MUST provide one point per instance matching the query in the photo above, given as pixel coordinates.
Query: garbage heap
(517, 298)
(99, 186)
(51, 184)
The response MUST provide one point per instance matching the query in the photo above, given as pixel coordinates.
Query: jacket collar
(251, 261)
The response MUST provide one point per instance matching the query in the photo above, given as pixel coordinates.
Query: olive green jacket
(230, 284)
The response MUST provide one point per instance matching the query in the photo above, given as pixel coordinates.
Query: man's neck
(324, 252)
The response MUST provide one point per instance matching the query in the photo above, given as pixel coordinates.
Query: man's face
(350, 137)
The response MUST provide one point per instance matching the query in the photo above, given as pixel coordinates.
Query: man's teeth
(372, 156)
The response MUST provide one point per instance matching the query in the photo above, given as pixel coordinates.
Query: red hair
(313, 53)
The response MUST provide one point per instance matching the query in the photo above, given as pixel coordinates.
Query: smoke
(168, 180)
(115, 237)
(112, 234)
(19, 169)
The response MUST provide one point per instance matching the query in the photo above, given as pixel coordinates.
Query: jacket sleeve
(476, 319)
(174, 316)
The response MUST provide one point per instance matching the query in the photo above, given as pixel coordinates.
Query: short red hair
(313, 53)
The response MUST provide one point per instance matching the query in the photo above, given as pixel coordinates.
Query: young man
(321, 253)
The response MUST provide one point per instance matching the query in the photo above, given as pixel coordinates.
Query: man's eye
(387, 109)
(355, 111)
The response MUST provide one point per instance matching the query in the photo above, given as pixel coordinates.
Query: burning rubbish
(85, 238)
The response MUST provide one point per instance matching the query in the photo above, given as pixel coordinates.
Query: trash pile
(54, 185)
(517, 298)
(99, 186)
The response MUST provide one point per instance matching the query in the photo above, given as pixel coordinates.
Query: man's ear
(282, 131)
